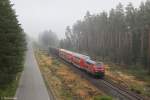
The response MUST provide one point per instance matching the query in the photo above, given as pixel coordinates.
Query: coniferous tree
(48, 39)
(12, 44)
(122, 36)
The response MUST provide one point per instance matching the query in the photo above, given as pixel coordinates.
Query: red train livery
(83, 62)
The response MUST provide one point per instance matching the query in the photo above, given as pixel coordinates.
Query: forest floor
(64, 83)
(134, 78)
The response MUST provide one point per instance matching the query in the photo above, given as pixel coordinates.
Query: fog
(36, 16)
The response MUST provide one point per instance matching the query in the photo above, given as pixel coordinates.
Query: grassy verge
(134, 78)
(64, 83)
(10, 90)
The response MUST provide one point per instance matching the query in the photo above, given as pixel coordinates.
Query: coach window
(89, 63)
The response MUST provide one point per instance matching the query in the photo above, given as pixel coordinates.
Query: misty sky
(38, 15)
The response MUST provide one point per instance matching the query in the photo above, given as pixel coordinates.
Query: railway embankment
(135, 79)
(64, 82)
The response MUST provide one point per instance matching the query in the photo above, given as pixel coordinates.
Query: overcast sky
(38, 15)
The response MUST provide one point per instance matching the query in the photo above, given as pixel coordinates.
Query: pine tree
(122, 36)
(12, 44)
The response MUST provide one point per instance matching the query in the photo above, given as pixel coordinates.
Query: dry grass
(64, 83)
(128, 80)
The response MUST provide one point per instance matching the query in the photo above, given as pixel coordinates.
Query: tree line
(47, 39)
(121, 36)
(12, 44)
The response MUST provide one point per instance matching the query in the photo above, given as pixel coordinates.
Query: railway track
(109, 87)
(123, 93)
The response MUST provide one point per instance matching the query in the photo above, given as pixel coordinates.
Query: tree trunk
(148, 57)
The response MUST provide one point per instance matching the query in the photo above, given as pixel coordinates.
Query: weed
(102, 98)
(55, 62)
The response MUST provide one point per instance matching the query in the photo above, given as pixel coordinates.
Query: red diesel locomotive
(83, 62)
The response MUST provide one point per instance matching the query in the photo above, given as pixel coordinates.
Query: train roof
(91, 61)
(76, 54)
(81, 55)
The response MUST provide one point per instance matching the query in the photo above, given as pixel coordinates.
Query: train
(81, 61)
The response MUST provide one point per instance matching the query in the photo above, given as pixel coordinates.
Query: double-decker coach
(83, 62)
(79, 60)
(66, 55)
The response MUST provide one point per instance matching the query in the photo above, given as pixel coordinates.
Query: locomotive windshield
(99, 64)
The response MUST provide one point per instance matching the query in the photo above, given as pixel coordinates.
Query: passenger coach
(83, 62)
